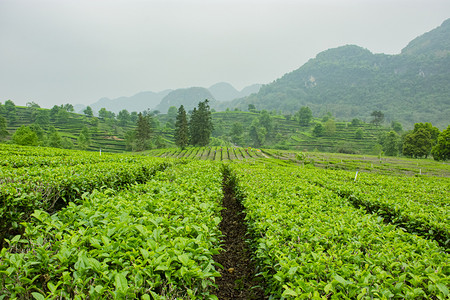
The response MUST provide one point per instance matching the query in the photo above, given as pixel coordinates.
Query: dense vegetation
(79, 224)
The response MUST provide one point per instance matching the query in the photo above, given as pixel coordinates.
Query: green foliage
(305, 116)
(3, 132)
(10, 110)
(378, 117)
(417, 144)
(54, 138)
(25, 136)
(396, 126)
(266, 121)
(318, 130)
(200, 125)
(356, 122)
(257, 133)
(441, 151)
(434, 131)
(84, 139)
(142, 132)
(320, 245)
(156, 238)
(105, 114)
(330, 127)
(359, 134)
(181, 129)
(390, 142)
(88, 112)
(123, 117)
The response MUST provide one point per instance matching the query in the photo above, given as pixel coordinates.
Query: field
(222, 223)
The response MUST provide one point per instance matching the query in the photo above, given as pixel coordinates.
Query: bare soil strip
(238, 279)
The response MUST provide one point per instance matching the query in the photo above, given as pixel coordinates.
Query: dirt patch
(238, 279)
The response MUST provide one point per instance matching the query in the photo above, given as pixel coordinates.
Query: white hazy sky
(77, 51)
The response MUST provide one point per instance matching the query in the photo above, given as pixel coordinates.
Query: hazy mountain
(351, 82)
(139, 102)
(224, 91)
(189, 98)
(150, 100)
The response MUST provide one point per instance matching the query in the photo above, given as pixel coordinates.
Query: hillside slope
(351, 82)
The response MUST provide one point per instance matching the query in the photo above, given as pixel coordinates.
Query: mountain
(224, 91)
(150, 100)
(139, 102)
(351, 82)
(188, 97)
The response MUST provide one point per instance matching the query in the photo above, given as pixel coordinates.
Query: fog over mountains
(351, 82)
(189, 97)
(347, 81)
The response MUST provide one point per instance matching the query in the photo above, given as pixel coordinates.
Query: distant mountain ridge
(150, 100)
(189, 98)
(351, 82)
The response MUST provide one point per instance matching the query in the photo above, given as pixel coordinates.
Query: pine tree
(201, 125)
(143, 132)
(181, 129)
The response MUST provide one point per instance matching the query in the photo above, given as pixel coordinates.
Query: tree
(356, 122)
(105, 114)
(40, 133)
(330, 127)
(396, 126)
(200, 125)
(304, 116)
(257, 133)
(84, 139)
(68, 107)
(434, 131)
(3, 132)
(318, 129)
(378, 117)
(390, 143)
(42, 118)
(133, 117)
(266, 121)
(11, 112)
(252, 107)
(54, 111)
(25, 136)
(359, 134)
(88, 112)
(31, 111)
(236, 132)
(123, 117)
(441, 151)
(181, 129)
(143, 132)
(54, 139)
(417, 144)
(62, 116)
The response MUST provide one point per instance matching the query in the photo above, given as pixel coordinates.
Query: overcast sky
(62, 51)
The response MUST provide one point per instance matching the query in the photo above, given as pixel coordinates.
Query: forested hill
(351, 82)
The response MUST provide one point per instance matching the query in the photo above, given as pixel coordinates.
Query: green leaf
(184, 258)
(38, 296)
(341, 280)
(51, 287)
(442, 288)
(328, 288)
(145, 297)
(288, 292)
(121, 282)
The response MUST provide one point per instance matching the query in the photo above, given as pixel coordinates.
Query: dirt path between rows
(238, 276)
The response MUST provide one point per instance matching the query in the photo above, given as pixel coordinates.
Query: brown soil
(238, 280)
